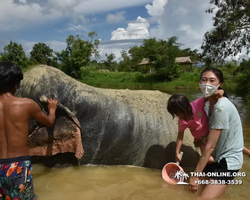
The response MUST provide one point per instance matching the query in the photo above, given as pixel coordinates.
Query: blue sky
(120, 24)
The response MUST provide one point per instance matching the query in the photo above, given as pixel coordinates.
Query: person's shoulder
(224, 101)
(25, 101)
(200, 100)
(223, 104)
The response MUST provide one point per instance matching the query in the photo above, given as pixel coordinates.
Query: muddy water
(130, 183)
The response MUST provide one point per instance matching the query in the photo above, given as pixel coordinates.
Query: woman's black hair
(218, 73)
(179, 104)
(10, 75)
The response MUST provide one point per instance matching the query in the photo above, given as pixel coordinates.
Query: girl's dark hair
(218, 73)
(179, 104)
(10, 75)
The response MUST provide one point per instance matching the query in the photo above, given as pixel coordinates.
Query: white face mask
(208, 89)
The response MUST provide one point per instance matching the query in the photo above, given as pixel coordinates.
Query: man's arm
(40, 116)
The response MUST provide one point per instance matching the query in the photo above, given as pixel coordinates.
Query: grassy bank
(136, 80)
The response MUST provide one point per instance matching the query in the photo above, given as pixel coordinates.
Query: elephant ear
(64, 136)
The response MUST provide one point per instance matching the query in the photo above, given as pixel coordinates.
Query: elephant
(101, 126)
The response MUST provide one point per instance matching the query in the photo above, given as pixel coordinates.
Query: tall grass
(133, 80)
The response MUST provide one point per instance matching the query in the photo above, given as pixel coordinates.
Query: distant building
(145, 64)
(148, 67)
(186, 62)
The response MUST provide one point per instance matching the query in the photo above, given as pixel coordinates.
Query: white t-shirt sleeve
(219, 118)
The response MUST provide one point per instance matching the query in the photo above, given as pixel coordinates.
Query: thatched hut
(186, 61)
(146, 62)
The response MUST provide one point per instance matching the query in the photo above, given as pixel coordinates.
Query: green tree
(13, 52)
(230, 34)
(95, 43)
(160, 52)
(125, 64)
(77, 54)
(110, 62)
(163, 53)
(42, 54)
(243, 83)
(136, 54)
(194, 54)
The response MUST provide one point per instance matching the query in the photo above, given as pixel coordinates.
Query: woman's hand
(193, 186)
(219, 93)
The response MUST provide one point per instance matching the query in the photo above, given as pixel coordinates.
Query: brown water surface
(129, 183)
(119, 183)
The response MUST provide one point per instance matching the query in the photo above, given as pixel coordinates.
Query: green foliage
(243, 81)
(125, 64)
(13, 52)
(231, 29)
(136, 54)
(42, 54)
(195, 56)
(85, 71)
(135, 80)
(110, 62)
(119, 80)
(77, 54)
(165, 60)
(160, 53)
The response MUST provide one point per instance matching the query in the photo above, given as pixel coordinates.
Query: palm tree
(185, 176)
(178, 174)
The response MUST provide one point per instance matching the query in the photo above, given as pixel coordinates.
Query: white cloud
(19, 14)
(135, 30)
(118, 17)
(116, 46)
(157, 7)
(81, 6)
(185, 19)
(13, 17)
(56, 45)
(104, 47)
(53, 44)
(72, 27)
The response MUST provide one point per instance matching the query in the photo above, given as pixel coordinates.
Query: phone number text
(219, 182)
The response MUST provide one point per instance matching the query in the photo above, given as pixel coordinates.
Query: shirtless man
(15, 166)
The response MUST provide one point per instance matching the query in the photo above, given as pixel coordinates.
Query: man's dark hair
(10, 75)
(179, 104)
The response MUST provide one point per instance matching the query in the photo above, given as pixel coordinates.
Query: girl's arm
(246, 151)
(178, 146)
